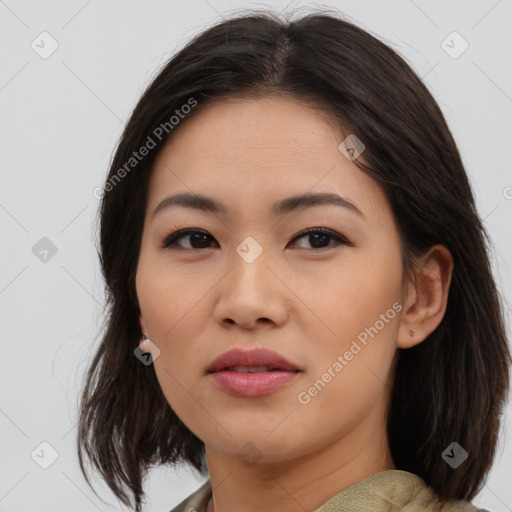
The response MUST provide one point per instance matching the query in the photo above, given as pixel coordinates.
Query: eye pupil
(318, 237)
(199, 237)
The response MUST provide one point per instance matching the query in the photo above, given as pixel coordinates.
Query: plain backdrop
(61, 116)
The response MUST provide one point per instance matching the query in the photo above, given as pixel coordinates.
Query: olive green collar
(388, 491)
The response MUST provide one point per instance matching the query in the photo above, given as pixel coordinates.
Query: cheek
(336, 405)
(356, 296)
(356, 339)
(174, 316)
(169, 297)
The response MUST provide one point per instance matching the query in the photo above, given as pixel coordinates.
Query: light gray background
(60, 120)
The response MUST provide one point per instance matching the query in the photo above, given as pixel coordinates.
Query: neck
(301, 483)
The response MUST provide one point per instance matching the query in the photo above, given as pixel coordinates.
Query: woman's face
(247, 280)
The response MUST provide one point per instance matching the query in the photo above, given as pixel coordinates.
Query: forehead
(268, 125)
(259, 150)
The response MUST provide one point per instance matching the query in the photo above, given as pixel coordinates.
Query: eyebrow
(294, 203)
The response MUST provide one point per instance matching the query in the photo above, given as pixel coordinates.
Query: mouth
(252, 361)
(252, 382)
(250, 374)
(252, 369)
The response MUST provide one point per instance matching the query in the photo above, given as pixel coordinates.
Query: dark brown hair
(451, 387)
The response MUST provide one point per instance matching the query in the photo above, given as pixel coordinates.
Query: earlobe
(426, 298)
(409, 336)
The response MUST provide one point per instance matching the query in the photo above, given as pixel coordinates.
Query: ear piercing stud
(145, 343)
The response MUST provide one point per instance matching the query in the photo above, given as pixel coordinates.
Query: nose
(252, 295)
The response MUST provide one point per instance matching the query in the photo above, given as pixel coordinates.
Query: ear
(426, 296)
(142, 325)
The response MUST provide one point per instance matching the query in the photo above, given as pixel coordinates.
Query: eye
(319, 236)
(194, 236)
(199, 239)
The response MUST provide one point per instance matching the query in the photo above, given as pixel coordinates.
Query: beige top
(388, 491)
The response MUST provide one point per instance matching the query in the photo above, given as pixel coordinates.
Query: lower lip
(248, 385)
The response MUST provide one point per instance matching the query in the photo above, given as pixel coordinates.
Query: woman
(301, 304)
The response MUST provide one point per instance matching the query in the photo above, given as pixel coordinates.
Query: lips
(249, 361)
(252, 373)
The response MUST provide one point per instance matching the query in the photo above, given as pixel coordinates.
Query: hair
(451, 387)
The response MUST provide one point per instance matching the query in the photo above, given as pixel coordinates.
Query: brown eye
(197, 239)
(319, 238)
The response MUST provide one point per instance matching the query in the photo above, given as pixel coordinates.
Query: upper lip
(254, 357)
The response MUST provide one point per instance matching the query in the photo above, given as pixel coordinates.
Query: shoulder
(462, 506)
(399, 491)
(197, 501)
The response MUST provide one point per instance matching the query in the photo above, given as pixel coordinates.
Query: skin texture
(307, 305)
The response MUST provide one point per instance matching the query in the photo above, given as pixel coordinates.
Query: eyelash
(178, 235)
